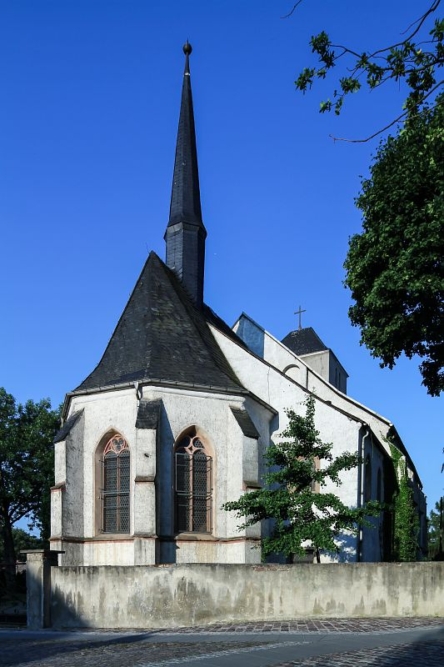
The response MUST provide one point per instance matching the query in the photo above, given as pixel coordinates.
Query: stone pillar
(38, 587)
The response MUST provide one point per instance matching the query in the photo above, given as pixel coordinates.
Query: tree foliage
(406, 525)
(301, 515)
(435, 531)
(395, 268)
(413, 60)
(26, 466)
(22, 540)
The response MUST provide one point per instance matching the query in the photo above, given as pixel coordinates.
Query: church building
(174, 420)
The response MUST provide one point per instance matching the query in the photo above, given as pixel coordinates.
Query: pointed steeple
(185, 234)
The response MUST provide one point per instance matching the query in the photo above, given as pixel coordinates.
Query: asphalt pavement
(410, 642)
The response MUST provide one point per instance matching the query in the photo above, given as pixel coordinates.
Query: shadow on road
(115, 651)
(141, 647)
(16, 651)
(426, 651)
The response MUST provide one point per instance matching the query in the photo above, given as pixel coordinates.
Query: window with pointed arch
(193, 479)
(115, 494)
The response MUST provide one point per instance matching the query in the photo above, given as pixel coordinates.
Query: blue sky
(91, 92)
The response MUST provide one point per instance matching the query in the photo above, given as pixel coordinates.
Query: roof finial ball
(187, 48)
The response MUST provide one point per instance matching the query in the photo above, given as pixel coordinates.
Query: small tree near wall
(299, 467)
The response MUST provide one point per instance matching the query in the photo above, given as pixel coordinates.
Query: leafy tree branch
(410, 60)
(396, 120)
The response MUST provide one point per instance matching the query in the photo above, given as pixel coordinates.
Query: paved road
(334, 643)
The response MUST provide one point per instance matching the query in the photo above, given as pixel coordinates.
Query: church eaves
(163, 338)
(185, 234)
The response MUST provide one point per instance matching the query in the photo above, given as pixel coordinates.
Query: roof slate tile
(304, 341)
(162, 335)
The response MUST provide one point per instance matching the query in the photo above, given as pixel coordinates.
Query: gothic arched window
(115, 493)
(192, 486)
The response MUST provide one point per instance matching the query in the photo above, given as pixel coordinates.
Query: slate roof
(304, 341)
(163, 336)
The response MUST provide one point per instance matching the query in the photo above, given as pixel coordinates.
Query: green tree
(26, 468)
(22, 540)
(301, 514)
(395, 268)
(435, 531)
(413, 60)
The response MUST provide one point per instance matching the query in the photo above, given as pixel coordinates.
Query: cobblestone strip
(422, 654)
(217, 654)
(342, 625)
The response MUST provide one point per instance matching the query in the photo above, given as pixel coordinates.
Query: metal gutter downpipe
(361, 474)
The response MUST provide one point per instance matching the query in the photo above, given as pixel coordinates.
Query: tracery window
(116, 486)
(192, 486)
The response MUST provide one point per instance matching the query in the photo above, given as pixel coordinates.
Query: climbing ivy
(406, 522)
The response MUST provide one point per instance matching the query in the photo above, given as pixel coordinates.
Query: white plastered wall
(232, 454)
(104, 413)
(76, 528)
(343, 430)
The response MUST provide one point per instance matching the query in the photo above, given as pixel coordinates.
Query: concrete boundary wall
(184, 595)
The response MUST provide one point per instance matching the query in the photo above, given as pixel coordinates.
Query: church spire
(185, 234)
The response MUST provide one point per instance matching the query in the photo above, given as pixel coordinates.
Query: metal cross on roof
(299, 312)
